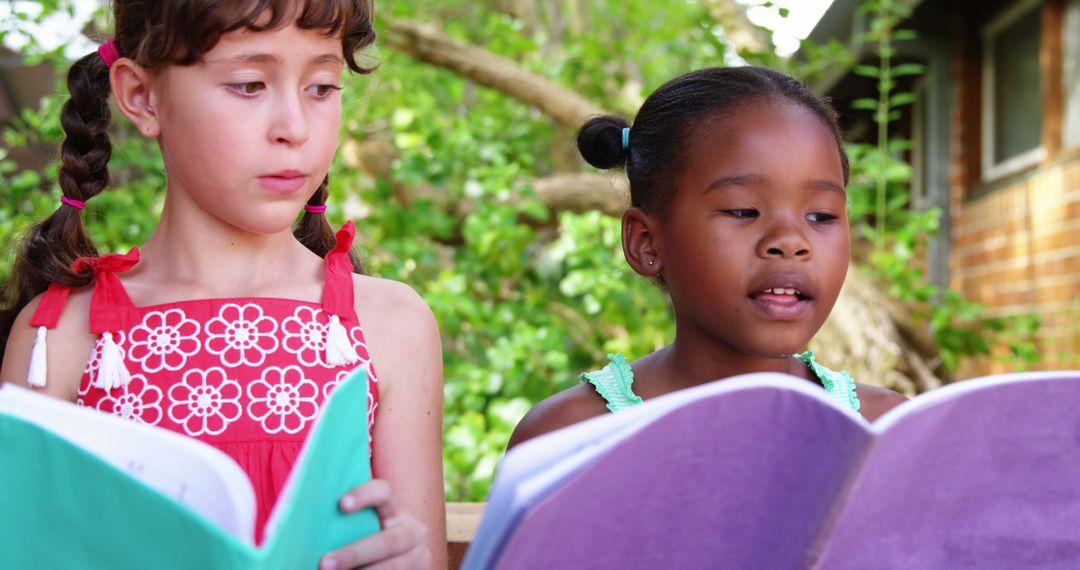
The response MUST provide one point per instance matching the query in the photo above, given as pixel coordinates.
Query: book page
(978, 474)
(185, 470)
(646, 486)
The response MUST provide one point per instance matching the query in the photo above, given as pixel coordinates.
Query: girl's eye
(248, 88)
(742, 214)
(820, 217)
(323, 91)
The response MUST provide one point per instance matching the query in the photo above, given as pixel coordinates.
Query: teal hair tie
(626, 138)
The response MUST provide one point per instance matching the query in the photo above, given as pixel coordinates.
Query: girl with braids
(227, 325)
(737, 182)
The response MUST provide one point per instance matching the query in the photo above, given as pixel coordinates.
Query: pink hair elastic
(320, 209)
(77, 204)
(108, 52)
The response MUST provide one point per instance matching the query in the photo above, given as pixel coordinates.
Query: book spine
(840, 502)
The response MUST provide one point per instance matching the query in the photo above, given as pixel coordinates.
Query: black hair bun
(600, 141)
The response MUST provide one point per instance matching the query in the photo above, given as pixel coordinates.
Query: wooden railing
(461, 522)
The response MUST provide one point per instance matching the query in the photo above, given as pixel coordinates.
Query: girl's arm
(403, 341)
(70, 345)
(575, 404)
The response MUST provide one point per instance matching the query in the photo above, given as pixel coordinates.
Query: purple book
(764, 471)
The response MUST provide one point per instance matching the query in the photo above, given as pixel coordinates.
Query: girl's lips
(283, 183)
(781, 307)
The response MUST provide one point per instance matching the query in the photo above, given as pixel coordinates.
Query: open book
(764, 471)
(83, 489)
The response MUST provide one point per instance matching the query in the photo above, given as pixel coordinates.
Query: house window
(1070, 128)
(1012, 91)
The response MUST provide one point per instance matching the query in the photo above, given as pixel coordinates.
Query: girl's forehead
(760, 126)
(759, 141)
(284, 41)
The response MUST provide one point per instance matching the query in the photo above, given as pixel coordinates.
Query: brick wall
(1015, 243)
(1016, 249)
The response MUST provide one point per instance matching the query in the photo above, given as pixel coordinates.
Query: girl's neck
(692, 360)
(208, 258)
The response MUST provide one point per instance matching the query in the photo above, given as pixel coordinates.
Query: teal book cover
(62, 506)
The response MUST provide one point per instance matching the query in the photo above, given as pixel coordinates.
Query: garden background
(459, 165)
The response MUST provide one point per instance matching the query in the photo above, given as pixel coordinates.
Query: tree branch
(583, 193)
(579, 192)
(428, 44)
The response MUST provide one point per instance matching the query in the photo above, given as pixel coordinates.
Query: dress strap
(840, 385)
(338, 282)
(50, 307)
(111, 310)
(615, 383)
(110, 306)
(338, 299)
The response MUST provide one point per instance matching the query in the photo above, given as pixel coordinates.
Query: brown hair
(156, 33)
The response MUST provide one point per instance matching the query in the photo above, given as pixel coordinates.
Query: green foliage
(526, 298)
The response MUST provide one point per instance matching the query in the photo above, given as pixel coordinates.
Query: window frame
(1070, 45)
(992, 171)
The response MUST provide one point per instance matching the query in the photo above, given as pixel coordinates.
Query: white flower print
(360, 345)
(205, 401)
(138, 401)
(305, 335)
(163, 341)
(92, 365)
(356, 334)
(283, 400)
(241, 335)
(328, 388)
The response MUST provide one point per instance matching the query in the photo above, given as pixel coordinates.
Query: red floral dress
(246, 375)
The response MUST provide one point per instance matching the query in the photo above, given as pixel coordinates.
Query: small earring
(652, 262)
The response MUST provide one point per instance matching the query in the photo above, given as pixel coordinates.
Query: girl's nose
(290, 121)
(785, 241)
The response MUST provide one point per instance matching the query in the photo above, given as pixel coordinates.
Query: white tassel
(111, 372)
(339, 349)
(38, 361)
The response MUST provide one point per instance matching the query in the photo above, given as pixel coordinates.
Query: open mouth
(784, 297)
(787, 294)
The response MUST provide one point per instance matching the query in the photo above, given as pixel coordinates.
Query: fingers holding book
(400, 544)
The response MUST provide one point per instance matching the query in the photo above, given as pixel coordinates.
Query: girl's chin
(780, 352)
(265, 227)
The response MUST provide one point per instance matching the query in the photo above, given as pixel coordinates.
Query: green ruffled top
(615, 382)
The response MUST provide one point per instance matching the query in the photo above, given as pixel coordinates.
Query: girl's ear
(132, 88)
(640, 234)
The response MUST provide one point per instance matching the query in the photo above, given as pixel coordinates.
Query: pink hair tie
(320, 209)
(77, 204)
(108, 52)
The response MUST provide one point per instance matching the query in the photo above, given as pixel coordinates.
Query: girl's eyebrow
(759, 180)
(822, 184)
(267, 58)
(736, 180)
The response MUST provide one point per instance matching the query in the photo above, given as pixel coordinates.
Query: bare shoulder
(874, 401)
(400, 331)
(70, 345)
(379, 299)
(573, 405)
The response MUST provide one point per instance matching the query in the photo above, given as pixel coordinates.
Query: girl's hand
(402, 543)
